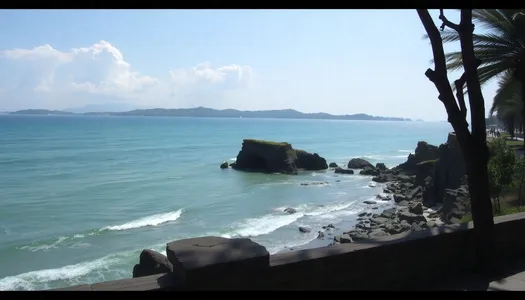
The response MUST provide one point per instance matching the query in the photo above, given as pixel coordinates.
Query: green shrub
(501, 169)
(519, 177)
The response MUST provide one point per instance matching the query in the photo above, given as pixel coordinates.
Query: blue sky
(334, 61)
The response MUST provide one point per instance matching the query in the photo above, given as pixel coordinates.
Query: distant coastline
(209, 112)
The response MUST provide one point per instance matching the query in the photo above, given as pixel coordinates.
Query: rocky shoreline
(428, 190)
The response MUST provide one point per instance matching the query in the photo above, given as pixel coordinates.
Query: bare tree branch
(439, 75)
(446, 22)
(460, 94)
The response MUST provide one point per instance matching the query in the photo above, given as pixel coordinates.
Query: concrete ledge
(404, 261)
(148, 283)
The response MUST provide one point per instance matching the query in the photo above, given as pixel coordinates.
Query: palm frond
(507, 100)
(499, 47)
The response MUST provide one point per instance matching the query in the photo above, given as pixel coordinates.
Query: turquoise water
(82, 196)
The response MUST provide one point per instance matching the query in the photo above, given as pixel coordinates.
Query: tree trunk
(478, 152)
(473, 144)
(481, 206)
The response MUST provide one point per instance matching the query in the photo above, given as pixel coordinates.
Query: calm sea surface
(82, 196)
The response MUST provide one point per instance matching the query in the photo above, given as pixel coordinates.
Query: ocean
(81, 196)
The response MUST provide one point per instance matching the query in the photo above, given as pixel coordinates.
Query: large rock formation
(424, 152)
(449, 172)
(275, 157)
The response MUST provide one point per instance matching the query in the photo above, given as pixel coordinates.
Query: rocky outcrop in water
(275, 157)
(309, 161)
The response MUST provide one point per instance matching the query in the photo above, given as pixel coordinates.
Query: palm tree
(507, 104)
(501, 47)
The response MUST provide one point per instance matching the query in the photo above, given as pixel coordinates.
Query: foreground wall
(406, 261)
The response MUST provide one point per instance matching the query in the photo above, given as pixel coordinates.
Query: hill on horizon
(214, 113)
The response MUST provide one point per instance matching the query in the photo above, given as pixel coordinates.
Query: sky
(333, 61)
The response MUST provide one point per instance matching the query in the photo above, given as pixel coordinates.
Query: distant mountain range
(209, 112)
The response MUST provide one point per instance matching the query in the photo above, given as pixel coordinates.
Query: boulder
(414, 193)
(369, 171)
(382, 178)
(343, 239)
(411, 218)
(384, 197)
(359, 163)
(381, 166)
(151, 263)
(455, 204)
(389, 213)
(275, 157)
(339, 170)
(224, 165)
(304, 229)
(333, 165)
(356, 235)
(416, 208)
(399, 197)
(290, 210)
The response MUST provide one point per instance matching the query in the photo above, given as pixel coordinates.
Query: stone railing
(406, 261)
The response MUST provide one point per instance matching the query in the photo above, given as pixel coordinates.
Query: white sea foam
(44, 279)
(262, 225)
(45, 247)
(153, 220)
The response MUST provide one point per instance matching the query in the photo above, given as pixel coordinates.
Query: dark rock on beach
(224, 165)
(333, 165)
(151, 263)
(370, 171)
(290, 210)
(339, 170)
(304, 229)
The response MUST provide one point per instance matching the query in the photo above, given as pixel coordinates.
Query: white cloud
(60, 79)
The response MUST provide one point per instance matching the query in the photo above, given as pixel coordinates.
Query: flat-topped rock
(276, 157)
(217, 256)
